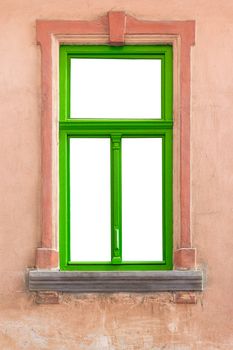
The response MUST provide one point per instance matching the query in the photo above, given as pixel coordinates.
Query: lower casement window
(115, 157)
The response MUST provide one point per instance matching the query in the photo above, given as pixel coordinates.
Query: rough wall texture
(117, 322)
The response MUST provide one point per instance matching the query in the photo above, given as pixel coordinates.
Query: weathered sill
(136, 281)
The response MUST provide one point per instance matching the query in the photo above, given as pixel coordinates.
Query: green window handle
(116, 241)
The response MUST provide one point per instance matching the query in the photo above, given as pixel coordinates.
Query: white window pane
(90, 199)
(142, 199)
(115, 88)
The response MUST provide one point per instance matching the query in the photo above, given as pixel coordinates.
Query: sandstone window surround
(116, 28)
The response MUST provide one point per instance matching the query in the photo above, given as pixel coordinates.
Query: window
(119, 131)
(115, 149)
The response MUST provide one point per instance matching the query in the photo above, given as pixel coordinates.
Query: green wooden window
(115, 157)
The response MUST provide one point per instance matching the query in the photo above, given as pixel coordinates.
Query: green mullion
(163, 91)
(167, 63)
(167, 198)
(64, 201)
(108, 133)
(76, 266)
(116, 199)
(64, 85)
(84, 125)
(68, 88)
(93, 50)
(118, 56)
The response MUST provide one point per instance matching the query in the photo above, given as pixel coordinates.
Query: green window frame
(115, 129)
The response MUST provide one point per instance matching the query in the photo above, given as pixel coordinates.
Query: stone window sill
(103, 282)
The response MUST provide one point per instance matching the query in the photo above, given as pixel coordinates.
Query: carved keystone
(117, 24)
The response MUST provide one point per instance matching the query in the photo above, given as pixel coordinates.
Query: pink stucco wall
(116, 322)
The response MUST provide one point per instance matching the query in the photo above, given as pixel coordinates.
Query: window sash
(115, 130)
(161, 52)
